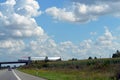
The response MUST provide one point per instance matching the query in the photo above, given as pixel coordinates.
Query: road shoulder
(24, 76)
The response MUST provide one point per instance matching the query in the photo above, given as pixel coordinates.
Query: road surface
(16, 75)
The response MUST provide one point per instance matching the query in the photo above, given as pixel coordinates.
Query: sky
(59, 28)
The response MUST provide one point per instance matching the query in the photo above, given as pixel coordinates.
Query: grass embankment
(100, 69)
(69, 75)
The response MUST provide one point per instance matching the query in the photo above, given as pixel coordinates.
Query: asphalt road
(16, 75)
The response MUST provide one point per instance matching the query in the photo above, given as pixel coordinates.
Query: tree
(74, 59)
(116, 54)
(46, 59)
(90, 57)
(95, 57)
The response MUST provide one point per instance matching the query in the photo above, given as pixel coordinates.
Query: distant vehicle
(9, 69)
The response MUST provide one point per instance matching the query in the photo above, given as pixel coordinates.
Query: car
(9, 69)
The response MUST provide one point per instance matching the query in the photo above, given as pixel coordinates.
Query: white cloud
(61, 14)
(106, 39)
(93, 33)
(1, 14)
(83, 12)
(20, 35)
(18, 27)
(12, 45)
(86, 44)
(27, 8)
(17, 21)
(10, 2)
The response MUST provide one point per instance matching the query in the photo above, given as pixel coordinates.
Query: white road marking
(18, 78)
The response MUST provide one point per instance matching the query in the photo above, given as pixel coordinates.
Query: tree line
(116, 54)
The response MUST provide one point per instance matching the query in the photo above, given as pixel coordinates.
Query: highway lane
(16, 75)
(7, 75)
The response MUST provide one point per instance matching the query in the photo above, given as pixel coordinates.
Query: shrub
(90, 58)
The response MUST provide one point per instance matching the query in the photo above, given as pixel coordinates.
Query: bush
(90, 58)
(117, 54)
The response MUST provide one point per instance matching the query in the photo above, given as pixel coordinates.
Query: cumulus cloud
(20, 35)
(27, 7)
(16, 19)
(103, 46)
(18, 26)
(85, 11)
(107, 38)
(12, 45)
(61, 14)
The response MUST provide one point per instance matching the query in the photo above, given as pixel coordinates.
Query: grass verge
(68, 74)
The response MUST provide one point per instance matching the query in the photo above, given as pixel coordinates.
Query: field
(97, 69)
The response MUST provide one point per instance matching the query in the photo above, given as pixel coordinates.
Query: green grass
(69, 74)
(99, 69)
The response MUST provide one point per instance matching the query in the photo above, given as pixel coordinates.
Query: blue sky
(63, 31)
(69, 29)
